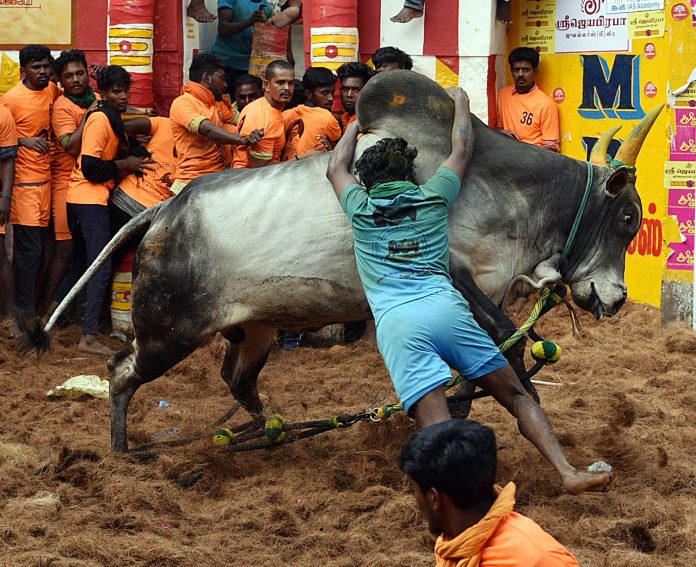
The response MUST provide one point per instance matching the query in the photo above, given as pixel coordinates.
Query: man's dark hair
(527, 54)
(277, 65)
(69, 56)
(354, 70)
(391, 54)
(457, 457)
(34, 52)
(113, 76)
(204, 63)
(390, 159)
(247, 79)
(316, 77)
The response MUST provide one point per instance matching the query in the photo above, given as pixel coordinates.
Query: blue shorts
(421, 340)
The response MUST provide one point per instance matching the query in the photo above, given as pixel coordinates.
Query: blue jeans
(415, 4)
(90, 226)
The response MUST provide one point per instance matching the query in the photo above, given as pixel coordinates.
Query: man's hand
(460, 98)
(256, 17)
(253, 137)
(5, 207)
(338, 173)
(36, 143)
(134, 164)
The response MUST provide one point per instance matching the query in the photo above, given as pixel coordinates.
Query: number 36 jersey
(532, 116)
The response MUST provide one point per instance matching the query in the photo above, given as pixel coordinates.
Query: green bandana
(390, 189)
(83, 101)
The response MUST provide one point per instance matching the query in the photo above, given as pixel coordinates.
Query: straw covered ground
(624, 395)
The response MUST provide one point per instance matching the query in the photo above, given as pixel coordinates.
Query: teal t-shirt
(401, 243)
(235, 50)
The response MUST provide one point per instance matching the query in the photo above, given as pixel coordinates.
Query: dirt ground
(624, 395)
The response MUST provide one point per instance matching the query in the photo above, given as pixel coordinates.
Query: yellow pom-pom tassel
(274, 428)
(547, 351)
(223, 437)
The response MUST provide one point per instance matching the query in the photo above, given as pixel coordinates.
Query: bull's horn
(599, 150)
(628, 152)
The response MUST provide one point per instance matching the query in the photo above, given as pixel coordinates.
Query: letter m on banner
(611, 92)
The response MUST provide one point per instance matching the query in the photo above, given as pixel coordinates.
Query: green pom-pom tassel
(223, 437)
(275, 428)
(547, 351)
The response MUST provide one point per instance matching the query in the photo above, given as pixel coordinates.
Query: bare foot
(13, 330)
(199, 12)
(286, 17)
(577, 482)
(89, 343)
(406, 15)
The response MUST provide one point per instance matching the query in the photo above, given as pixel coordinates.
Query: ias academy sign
(611, 91)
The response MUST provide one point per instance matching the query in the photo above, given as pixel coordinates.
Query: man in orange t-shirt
(310, 128)
(202, 122)
(353, 78)
(8, 153)
(266, 114)
(452, 468)
(67, 122)
(524, 111)
(102, 160)
(135, 193)
(30, 102)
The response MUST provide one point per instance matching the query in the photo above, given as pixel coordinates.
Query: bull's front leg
(493, 321)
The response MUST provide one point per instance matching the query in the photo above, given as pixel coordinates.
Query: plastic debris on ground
(83, 385)
(599, 467)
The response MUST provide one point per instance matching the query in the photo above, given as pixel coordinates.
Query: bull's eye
(628, 218)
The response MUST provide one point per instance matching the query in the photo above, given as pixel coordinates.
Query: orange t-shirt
(260, 114)
(197, 155)
(8, 134)
(303, 124)
(100, 141)
(517, 541)
(31, 111)
(65, 119)
(532, 117)
(347, 120)
(153, 186)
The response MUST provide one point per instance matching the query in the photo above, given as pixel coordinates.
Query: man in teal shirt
(424, 325)
(236, 19)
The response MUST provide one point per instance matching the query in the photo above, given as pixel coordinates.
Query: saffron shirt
(195, 154)
(154, 186)
(532, 117)
(99, 141)
(31, 112)
(65, 120)
(347, 120)
(255, 115)
(302, 126)
(8, 142)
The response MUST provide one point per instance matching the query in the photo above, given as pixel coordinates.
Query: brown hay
(338, 499)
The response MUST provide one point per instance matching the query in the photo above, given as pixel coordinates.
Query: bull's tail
(36, 338)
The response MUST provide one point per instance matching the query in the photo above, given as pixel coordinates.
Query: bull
(246, 252)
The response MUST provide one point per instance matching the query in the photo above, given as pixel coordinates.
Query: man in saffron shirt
(100, 163)
(353, 77)
(201, 122)
(8, 153)
(310, 128)
(265, 113)
(452, 468)
(30, 102)
(524, 111)
(67, 122)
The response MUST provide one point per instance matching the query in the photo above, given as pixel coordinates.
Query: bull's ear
(616, 183)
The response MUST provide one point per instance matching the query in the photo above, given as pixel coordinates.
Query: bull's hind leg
(135, 365)
(493, 321)
(246, 355)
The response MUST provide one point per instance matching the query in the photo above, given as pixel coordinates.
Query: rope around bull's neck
(578, 217)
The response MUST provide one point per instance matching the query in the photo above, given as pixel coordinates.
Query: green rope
(528, 324)
(578, 217)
